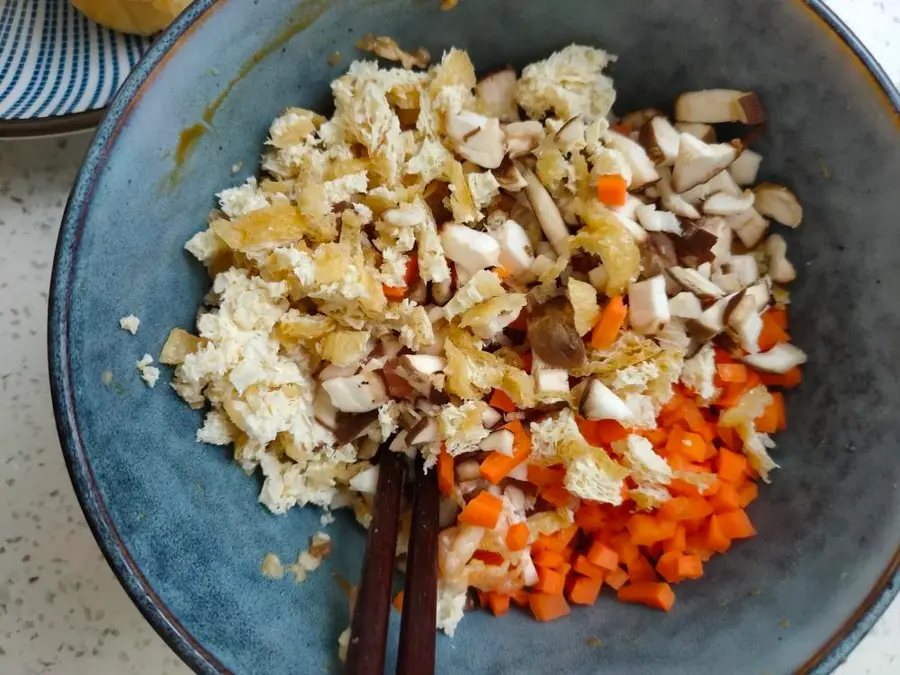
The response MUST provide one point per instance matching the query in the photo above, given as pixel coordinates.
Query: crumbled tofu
(271, 567)
(699, 372)
(130, 323)
(217, 429)
(645, 465)
(596, 477)
(149, 373)
(241, 200)
(451, 605)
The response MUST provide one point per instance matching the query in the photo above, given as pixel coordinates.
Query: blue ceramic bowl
(179, 522)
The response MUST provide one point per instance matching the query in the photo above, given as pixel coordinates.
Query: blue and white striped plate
(58, 69)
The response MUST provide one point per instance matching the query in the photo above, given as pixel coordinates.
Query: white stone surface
(61, 610)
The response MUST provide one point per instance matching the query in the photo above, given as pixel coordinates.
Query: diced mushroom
(418, 291)
(657, 221)
(516, 255)
(600, 403)
(671, 200)
(477, 138)
(703, 132)
(658, 254)
(727, 281)
(780, 268)
(468, 470)
(636, 119)
(571, 133)
(331, 371)
(350, 426)
(643, 171)
(553, 336)
(426, 431)
(541, 264)
(491, 417)
(780, 359)
(419, 370)
(470, 248)
(760, 292)
(719, 228)
(696, 283)
(697, 161)
(778, 203)
(685, 306)
(749, 226)
(648, 306)
(598, 278)
(744, 319)
(547, 213)
(441, 292)
(713, 106)
(724, 204)
(399, 443)
(356, 394)
(549, 380)
(721, 182)
(523, 137)
(660, 140)
(630, 207)
(509, 177)
(501, 441)
(324, 411)
(496, 95)
(745, 268)
(745, 168)
(635, 230)
(366, 481)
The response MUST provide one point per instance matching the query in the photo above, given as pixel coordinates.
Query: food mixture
(578, 320)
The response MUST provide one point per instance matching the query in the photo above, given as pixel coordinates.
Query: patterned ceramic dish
(179, 522)
(58, 69)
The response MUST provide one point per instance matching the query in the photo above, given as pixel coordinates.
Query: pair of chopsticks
(369, 625)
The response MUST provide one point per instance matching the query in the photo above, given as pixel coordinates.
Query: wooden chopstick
(417, 623)
(369, 625)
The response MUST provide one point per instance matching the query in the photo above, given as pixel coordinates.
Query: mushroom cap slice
(553, 336)
(749, 226)
(745, 168)
(501, 441)
(685, 306)
(600, 403)
(356, 394)
(643, 171)
(705, 132)
(636, 119)
(724, 204)
(523, 137)
(780, 359)
(671, 200)
(713, 106)
(648, 306)
(477, 138)
(653, 220)
(470, 248)
(780, 268)
(426, 431)
(778, 203)
(698, 162)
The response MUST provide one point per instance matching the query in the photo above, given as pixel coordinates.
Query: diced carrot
(549, 581)
(520, 597)
(603, 556)
(612, 189)
(677, 541)
(584, 566)
(398, 601)
(714, 536)
(772, 333)
(559, 496)
(547, 558)
(446, 472)
(589, 516)
(483, 511)
(772, 419)
(731, 465)
(482, 597)
(732, 392)
(547, 606)
(626, 548)
(647, 529)
(497, 466)
(489, 557)
(726, 498)
(611, 320)
(675, 566)
(501, 272)
(617, 578)
(685, 508)
(640, 569)
(517, 537)
(621, 128)
(564, 569)
(691, 445)
(748, 492)
(657, 437)
(729, 437)
(563, 538)
(501, 400)
(732, 372)
(658, 595)
(779, 317)
(789, 380)
(736, 525)
(498, 603)
(585, 591)
(545, 475)
(696, 422)
(601, 432)
(396, 293)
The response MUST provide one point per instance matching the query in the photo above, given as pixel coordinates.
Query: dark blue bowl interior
(180, 522)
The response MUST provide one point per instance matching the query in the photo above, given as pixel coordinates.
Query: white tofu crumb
(326, 519)
(243, 199)
(217, 429)
(698, 373)
(149, 373)
(271, 567)
(130, 323)
(451, 605)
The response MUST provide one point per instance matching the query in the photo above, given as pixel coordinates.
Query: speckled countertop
(61, 609)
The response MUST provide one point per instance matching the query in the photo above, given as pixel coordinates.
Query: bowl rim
(824, 660)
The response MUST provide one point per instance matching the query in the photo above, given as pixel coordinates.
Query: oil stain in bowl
(188, 138)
